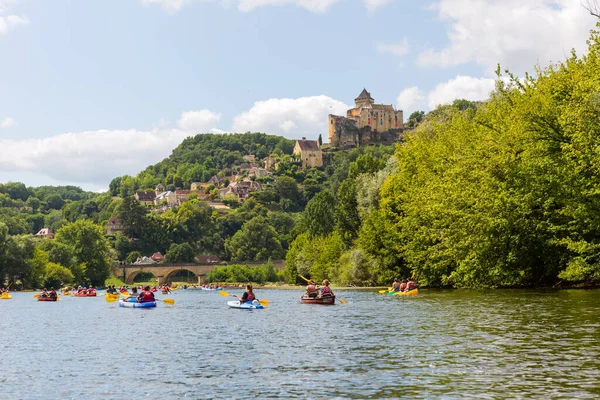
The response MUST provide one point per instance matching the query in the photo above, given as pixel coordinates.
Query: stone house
(182, 195)
(309, 153)
(269, 162)
(208, 259)
(241, 189)
(114, 226)
(169, 197)
(45, 233)
(199, 186)
(157, 257)
(145, 198)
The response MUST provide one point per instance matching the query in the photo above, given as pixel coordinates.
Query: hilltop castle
(366, 123)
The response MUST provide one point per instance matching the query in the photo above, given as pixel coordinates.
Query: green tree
(90, 248)
(257, 240)
(319, 214)
(180, 253)
(346, 211)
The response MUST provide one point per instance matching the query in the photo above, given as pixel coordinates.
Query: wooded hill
(501, 193)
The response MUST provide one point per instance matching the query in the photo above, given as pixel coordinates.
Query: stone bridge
(164, 273)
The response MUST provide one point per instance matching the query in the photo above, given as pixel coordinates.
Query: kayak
(85, 294)
(135, 304)
(213, 289)
(47, 298)
(254, 305)
(67, 293)
(413, 292)
(327, 300)
(113, 296)
(5, 296)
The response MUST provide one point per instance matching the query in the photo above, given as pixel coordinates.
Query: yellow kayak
(113, 296)
(67, 293)
(413, 292)
(5, 296)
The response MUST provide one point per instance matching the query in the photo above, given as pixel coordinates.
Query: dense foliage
(480, 194)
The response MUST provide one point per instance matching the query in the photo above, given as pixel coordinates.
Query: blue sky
(91, 90)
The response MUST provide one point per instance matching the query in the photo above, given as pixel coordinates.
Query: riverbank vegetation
(500, 193)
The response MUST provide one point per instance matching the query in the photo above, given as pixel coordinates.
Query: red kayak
(93, 294)
(47, 298)
(327, 300)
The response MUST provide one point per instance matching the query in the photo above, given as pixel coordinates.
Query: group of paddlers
(405, 286)
(84, 290)
(52, 293)
(315, 291)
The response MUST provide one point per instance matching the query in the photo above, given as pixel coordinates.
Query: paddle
(168, 301)
(340, 300)
(265, 303)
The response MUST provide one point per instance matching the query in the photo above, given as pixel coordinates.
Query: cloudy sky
(91, 90)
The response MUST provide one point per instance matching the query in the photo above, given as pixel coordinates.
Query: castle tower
(364, 99)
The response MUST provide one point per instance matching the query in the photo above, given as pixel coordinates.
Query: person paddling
(248, 295)
(311, 289)
(396, 285)
(325, 289)
(403, 285)
(146, 295)
(410, 285)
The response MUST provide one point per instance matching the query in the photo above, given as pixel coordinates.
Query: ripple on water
(485, 344)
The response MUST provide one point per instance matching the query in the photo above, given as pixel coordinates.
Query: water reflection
(439, 344)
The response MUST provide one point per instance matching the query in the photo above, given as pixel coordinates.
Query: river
(439, 344)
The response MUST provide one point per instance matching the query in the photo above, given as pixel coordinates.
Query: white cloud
(316, 6)
(372, 5)
(94, 158)
(411, 99)
(7, 122)
(398, 49)
(304, 116)
(11, 21)
(461, 87)
(169, 5)
(514, 33)
(199, 121)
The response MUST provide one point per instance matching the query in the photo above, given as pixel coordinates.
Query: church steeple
(364, 99)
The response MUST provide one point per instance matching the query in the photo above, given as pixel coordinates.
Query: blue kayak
(135, 304)
(248, 305)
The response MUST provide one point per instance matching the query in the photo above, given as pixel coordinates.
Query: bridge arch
(181, 275)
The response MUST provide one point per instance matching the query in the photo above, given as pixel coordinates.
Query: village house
(309, 152)
(145, 198)
(241, 189)
(182, 195)
(159, 188)
(216, 180)
(199, 186)
(114, 226)
(258, 172)
(208, 259)
(269, 162)
(45, 233)
(167, 197)
(157, 257)
(249, 157)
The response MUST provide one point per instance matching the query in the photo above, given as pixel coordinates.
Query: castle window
(332, 122)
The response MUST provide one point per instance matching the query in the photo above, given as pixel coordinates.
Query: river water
(439, 344)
